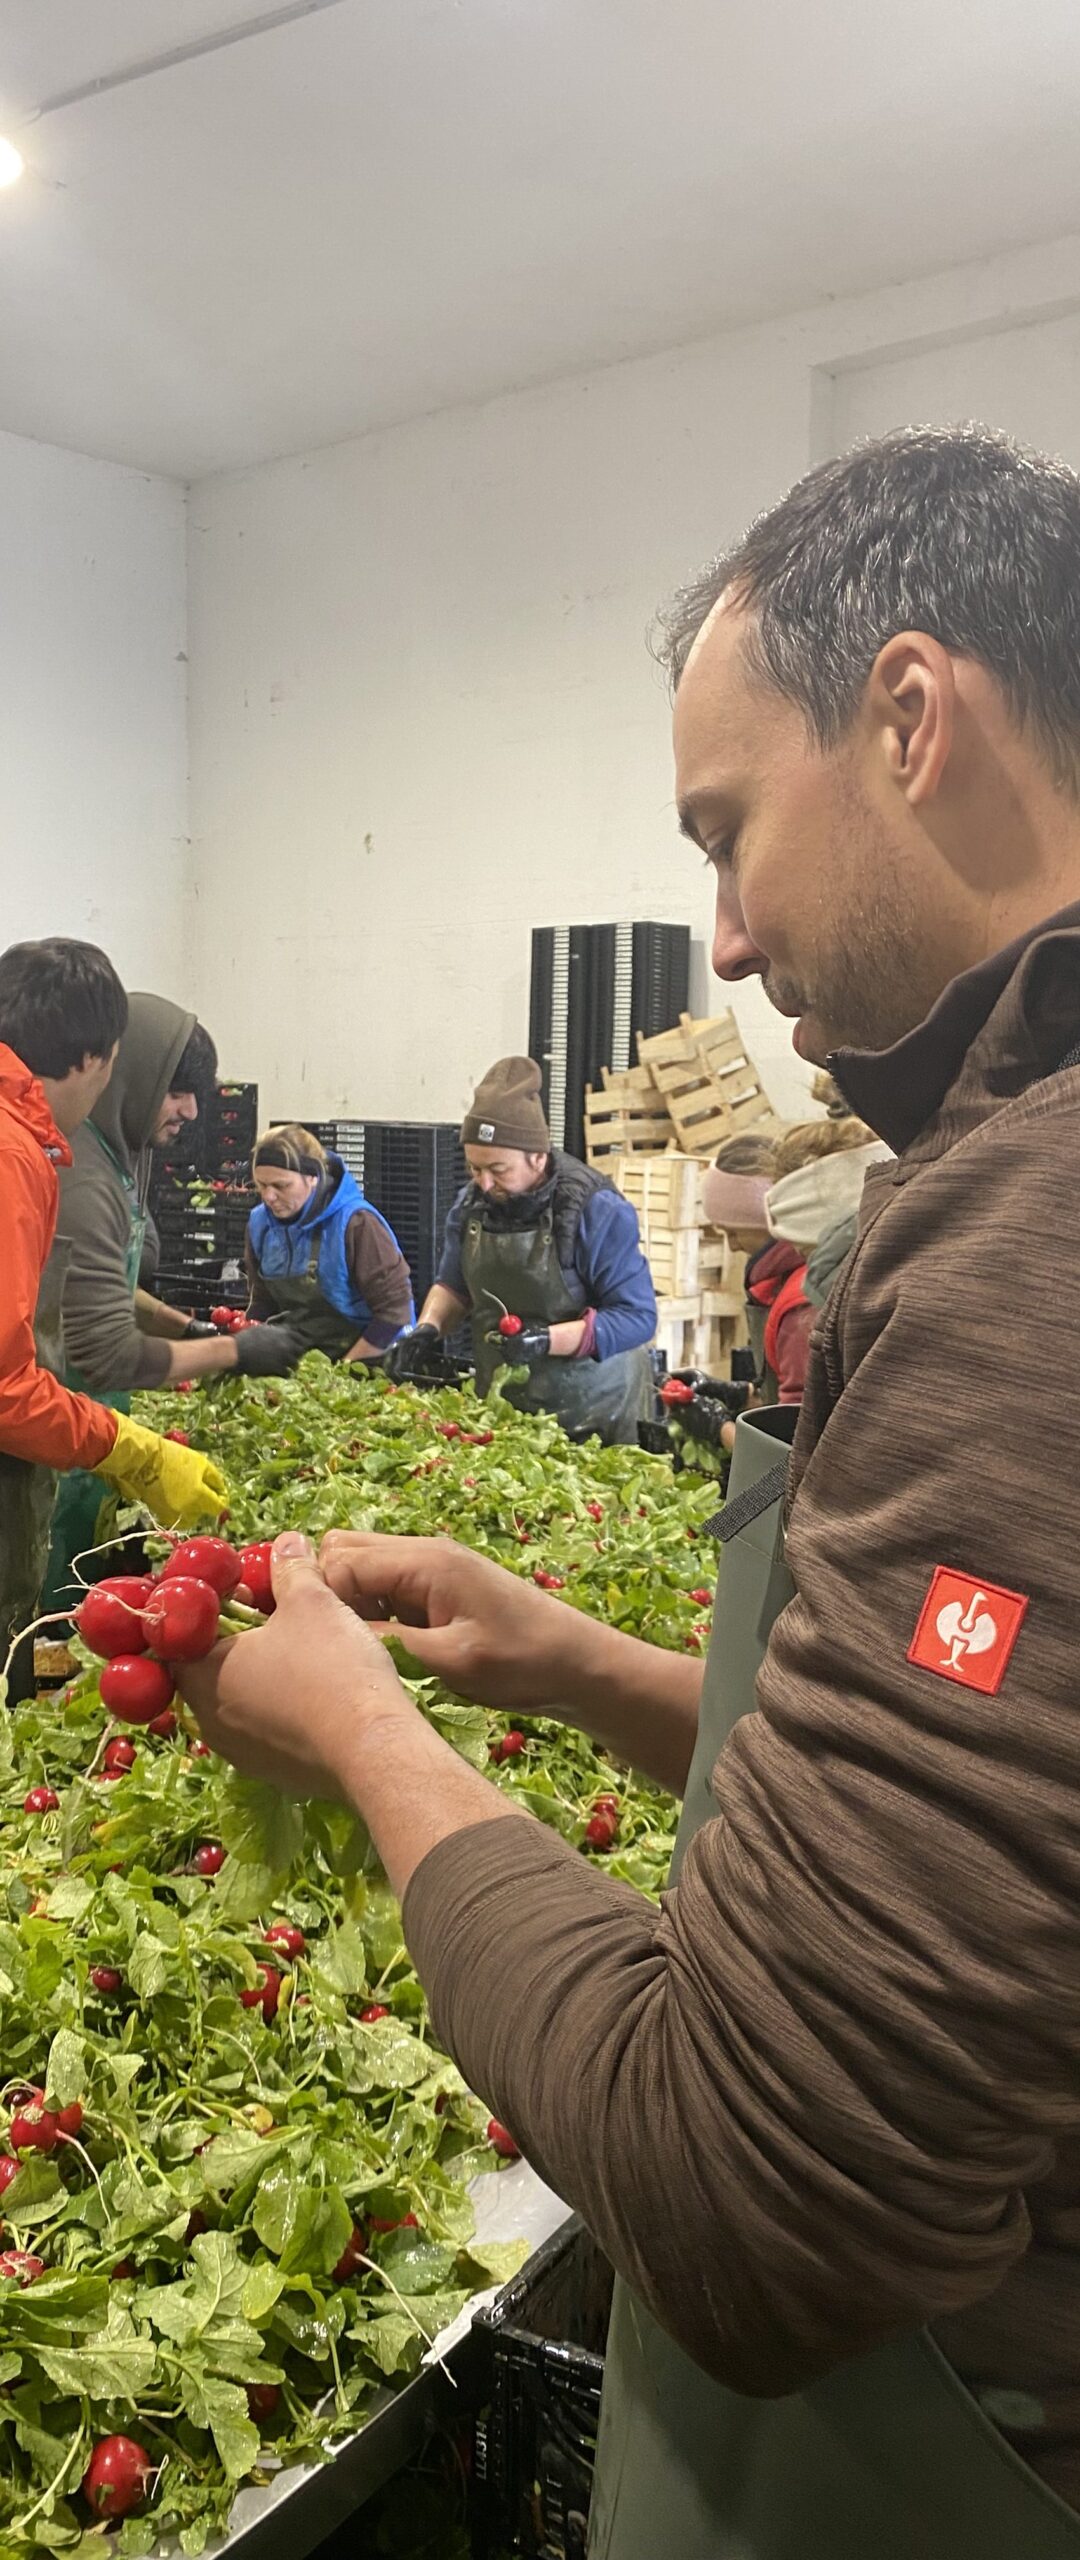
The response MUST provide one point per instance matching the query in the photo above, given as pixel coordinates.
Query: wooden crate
(672, 1257)
(711, 1089)
(675, 1321)
(664, 1189)
(719, 1267)
(711, 1339)
(627, 1117)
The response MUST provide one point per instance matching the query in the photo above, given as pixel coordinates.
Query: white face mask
(801, 1206)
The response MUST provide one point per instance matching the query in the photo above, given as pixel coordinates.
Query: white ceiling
(398, 204)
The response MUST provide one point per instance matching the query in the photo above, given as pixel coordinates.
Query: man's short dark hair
(196, 1067)
(60, 1002)
(953, 531)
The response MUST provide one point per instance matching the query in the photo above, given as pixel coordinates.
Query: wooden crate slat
(665, 1189)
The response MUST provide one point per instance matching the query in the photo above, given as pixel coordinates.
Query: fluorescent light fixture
(12, 163)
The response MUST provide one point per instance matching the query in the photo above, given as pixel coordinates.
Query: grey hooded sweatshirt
(101, 1337)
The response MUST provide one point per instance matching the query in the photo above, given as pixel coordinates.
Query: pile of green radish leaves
(234, 2166)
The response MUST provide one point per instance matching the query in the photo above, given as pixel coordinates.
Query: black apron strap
(748, 1505)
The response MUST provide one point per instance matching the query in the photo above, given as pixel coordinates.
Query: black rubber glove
(523, 1350)
(197, 1332)
(266, 1351)
(732, 1393)
(703, 1420)
(414, 1355)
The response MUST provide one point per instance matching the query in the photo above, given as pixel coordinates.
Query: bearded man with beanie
(537, 1237)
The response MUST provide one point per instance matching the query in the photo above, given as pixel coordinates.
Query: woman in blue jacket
(321, 1262)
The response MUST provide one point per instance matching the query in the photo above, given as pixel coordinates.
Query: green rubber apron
(518, 1268)
(27, 1492)
(888, 2458)
(302, 1312)
(82, 1498)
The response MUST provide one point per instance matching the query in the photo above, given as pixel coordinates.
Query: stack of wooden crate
(692, 1088)
(701, 1317)
(626, 1117)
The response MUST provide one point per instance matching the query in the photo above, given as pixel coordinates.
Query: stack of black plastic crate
(201, 1197)
(592, 988)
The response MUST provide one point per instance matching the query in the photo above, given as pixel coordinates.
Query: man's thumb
(293, 1563)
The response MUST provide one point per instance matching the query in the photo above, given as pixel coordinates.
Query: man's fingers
(294, 1565)
(376, 1575)
(198, 1681)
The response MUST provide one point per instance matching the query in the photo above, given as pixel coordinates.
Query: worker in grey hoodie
(117, 1338)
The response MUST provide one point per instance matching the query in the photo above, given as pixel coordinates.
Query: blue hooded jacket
(312, 1246)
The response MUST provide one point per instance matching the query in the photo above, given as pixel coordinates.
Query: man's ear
(911, 702)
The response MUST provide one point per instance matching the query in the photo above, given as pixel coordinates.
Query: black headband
(270, 1153)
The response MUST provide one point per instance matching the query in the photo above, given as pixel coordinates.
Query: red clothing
(771, 1278)
(39, 1419)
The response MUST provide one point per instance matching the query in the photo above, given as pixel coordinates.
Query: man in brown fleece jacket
(830, 2094)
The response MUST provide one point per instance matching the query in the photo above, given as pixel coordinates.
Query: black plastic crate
(542, 2363)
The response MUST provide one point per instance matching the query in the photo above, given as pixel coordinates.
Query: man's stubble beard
(876, 976)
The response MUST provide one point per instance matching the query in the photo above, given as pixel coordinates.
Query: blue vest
(312, 1246)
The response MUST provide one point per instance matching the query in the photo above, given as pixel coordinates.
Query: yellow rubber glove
(180, 1486)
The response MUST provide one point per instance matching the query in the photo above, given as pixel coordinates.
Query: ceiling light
(12, 163)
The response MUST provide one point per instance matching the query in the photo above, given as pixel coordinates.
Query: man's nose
(187, 1106)
(735, 954)
(484, 1181)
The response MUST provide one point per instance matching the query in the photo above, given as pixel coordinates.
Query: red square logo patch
(967, 1630)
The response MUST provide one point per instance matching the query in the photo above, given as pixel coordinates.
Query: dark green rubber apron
(888, 2458)
(518, 1268)
(302, 1312)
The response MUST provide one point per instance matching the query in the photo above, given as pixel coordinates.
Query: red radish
(70, 2120)
(676, 1391)
(502, 2141)
(607, 1804)
(199, 1750)
(406, 2222)
(477, 1440)
(183, 1386)
(9, 2169)
(109, 1619)
(106, 1979)
(595, 1510)
(123, 2272)
(256, 1574)
(222, 1317)
(692, 1642)
(511, 1745)
(34, 2128)
(41, 1800)
(600, 1830)
(163, 1725)
(510, 1325)
(20, 2266)
(262, 2398)
(702, 1598)
(116, 2477)
(209, 1859)
(351, 2255)
(548, 1581)
(448, 1430)
(181, 1619)
(182, 1438)
(266, 1993)
(282, 1934)
(211, 1560)
(107, 1777)
(135, 1688)
(369, 2015)
(120, 1754)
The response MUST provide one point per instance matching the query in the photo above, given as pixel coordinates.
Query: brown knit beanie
(507, 1110)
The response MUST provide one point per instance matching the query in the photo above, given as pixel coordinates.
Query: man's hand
(523, 1349)
(266, 1351)
(414, 1355)
(180, 1486)
(295, 1701)
(493, 1638)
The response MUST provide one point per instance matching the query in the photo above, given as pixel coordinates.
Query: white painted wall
(422, 716)
(93, 708)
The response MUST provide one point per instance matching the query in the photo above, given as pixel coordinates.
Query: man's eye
(719, 855)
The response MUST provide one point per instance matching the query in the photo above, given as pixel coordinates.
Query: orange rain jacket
(39, 1419)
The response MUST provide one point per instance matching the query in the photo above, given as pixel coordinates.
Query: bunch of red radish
(139, 1623)
(231, 1319)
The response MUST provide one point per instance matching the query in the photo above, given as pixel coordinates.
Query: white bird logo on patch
(965, 1631)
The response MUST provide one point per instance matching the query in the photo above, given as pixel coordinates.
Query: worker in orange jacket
(62, 1011)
